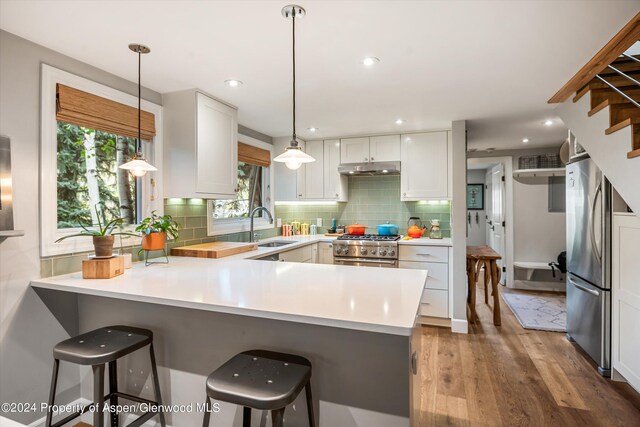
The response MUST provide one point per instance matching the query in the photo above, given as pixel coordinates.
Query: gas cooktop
(369, 237)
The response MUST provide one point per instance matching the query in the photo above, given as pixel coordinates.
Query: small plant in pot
(155, 230)
(104, 235)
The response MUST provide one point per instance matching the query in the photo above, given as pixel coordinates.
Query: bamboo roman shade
(253, 155)
(92, 111)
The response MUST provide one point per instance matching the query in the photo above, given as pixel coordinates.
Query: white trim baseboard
(460, 326)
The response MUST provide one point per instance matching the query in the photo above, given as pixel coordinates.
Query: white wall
(476, 233)
(458, 232)
(28, 331)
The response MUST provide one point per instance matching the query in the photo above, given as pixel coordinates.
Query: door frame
(507, 162)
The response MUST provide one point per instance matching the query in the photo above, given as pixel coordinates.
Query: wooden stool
(98, 348)
(477, 257)
(263, 380)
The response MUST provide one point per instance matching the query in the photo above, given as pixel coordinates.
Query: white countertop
(425, 241)
(368, 299)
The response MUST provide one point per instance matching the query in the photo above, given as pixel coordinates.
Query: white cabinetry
(435, 259)
(314, 172)
(354, 150)
(325, 253)
(335, 184)
(303, 254)
(289, 184)
(425, 166)
(626, 298)
(200, 147)
(384, 148)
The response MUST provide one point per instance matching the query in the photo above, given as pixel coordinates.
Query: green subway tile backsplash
(372, 201)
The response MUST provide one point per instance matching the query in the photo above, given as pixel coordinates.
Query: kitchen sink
(275, 244)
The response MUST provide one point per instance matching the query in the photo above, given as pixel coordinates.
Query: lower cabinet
(325, 253)
(303, 254)
(435, 259)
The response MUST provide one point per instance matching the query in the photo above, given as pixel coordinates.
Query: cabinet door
(325, 253)
(335, 184)
(285, 179)
(216, 148)
(425, 172)
(314, 171)
(303, 254)
(354, 150)
(385, 148)
(301, 173)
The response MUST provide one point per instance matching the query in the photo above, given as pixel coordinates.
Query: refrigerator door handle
(593, 225)
(582, 288)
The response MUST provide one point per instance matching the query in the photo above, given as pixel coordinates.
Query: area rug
(544, 313)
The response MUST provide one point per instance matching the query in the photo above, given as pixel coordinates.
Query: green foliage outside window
(80, 148)
(239, 207)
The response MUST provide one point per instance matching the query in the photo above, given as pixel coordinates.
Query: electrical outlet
(279, 222)
(319, 222)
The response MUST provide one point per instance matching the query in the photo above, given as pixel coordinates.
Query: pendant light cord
(293, 19)
(139, 99)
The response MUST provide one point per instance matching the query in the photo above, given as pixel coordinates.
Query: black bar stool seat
(102, 345)
(98, 348)
(263, 380)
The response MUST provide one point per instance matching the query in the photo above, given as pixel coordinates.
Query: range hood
(375, 168)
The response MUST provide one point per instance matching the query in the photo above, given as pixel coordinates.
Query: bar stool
(263, 380)
(97, 348)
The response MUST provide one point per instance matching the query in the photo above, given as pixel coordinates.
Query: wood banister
(622, 41)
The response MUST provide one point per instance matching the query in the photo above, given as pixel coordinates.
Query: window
(254, 189)
(87, 131)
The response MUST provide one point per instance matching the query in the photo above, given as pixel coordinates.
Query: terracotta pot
(357, 229)
(154, 241)
(103, 245)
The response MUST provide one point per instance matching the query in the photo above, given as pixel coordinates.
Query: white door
(216, 147)
(425, 172)
(354, 150)
(384, 148)
(497, 218)
(314, 171)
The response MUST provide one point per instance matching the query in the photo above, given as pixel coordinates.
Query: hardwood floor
(510, 376)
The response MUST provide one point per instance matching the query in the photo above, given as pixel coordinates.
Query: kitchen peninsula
(355, 325)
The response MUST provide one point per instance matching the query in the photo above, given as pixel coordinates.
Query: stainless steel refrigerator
(589, 261)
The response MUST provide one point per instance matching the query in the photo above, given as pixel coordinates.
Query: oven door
(366, 262)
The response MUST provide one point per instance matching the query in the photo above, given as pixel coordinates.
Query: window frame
(217, 227)
(151, 185)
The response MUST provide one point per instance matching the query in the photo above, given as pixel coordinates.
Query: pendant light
(138, 165)
(294, 157)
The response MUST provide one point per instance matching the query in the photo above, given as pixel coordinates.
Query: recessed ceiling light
(369, 61)
(233, 83)
(384, 171)
(351, 172)
(490, 149)
(312, 129)
(525, 140)
(399, 121)
(548, 122)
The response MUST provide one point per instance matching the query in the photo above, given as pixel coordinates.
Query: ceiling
(494, 63)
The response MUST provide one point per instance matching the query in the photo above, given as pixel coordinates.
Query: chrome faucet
(252, 214)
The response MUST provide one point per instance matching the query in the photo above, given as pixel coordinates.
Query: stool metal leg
(246, 417)
(207, 413)
(113, 389)
(307, 389)
(98, 395)
(52, 391)
(277, 417)
(156, 384)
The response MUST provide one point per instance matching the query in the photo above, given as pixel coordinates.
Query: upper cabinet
(354, 150)
(317, 180)
(335, 184)
(384, 148)
(425, 166)
(200, 151)
(370, 149)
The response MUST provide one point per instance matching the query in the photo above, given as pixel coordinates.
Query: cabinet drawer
(302, 254)
(423, 253)
(435, 303)
(438, 273)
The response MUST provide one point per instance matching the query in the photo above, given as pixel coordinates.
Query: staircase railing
(631, 79)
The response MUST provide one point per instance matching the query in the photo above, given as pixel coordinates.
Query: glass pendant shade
(138, 166)
(294, 157)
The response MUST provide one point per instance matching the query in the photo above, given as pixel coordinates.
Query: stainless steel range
(369, 250)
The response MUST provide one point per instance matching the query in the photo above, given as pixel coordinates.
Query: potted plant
(155, 230)
(103, 235)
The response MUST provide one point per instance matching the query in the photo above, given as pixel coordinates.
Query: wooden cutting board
(214, 249)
